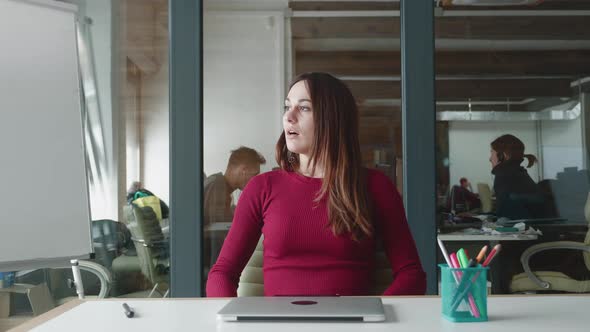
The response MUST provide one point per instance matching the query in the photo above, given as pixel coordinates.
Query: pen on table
(128, 311)
(487, 262)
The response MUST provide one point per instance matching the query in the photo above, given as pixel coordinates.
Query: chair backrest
(456, 200)
(382, 275)
(252, 278)
(570, 190)
(521, 205)
(148, 239)
(485, 196)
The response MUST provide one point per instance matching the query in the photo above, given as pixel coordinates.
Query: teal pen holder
(464, 293)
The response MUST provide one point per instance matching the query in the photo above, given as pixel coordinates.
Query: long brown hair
(335, 147)
(512, 147)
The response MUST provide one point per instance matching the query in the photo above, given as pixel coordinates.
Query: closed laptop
(359, 309)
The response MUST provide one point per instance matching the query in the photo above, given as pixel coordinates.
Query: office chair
(252, 279)
(96, 273)
(485, 196)
(54, 289)
(99, 271)
(553, 280)
(105, 241)
(152, 248)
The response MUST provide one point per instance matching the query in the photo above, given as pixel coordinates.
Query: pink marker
(454, 261)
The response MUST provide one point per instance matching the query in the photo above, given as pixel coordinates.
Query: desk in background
(492, 238)
(416, 314)
(497, 270)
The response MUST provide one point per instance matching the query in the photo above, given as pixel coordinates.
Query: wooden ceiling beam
(542, 5)
(480, 27)
(503, 88)
(394, 5)
(343, 5)
(392, 114)
(464, 89)
(574, 63)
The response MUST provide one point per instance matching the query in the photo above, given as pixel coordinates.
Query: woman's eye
(304, 108)
(286, 108)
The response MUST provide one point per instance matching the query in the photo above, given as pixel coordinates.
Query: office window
(511, 138)
(123, 55)
(141, 51)
(250, 56)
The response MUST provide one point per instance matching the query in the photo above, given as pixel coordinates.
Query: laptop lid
(360, 309)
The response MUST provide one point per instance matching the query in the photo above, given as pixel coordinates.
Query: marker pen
(128, 311)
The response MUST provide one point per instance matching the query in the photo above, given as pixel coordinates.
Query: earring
(291, 157)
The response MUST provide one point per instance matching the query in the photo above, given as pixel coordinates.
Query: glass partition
(251, 55)
(512, 163)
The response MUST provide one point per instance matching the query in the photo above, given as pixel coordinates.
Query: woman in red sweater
(321, 213)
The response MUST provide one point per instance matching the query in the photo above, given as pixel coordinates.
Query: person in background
(471, 198)
(243, 164)
(139, 195)
(322, 213)
(465, 184)
(517, 195)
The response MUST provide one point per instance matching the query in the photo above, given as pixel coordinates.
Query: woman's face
(494, 158)
(298, 120)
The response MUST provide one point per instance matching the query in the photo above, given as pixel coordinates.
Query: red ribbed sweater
(302, 257)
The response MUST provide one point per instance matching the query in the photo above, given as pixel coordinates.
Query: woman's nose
(290, 116)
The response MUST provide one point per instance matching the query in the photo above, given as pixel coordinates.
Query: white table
(458, 236)
(219, 226)
(416, 314)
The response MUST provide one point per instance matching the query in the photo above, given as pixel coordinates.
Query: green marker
(463, 260)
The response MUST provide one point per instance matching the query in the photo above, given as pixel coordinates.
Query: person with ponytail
(321, 213)
(517, 195)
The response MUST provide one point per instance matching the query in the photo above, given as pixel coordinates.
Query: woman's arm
(241, 241)
(392, 228)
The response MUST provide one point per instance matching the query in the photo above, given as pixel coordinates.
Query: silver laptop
(360, 309)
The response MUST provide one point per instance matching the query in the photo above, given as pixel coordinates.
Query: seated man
(461, 199)
(243, 164)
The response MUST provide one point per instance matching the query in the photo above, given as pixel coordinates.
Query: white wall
(561, 146)
(156, 140)
(243, 95)
(243, 85)
(469, 148)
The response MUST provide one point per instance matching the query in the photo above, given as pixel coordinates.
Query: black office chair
(521, 206)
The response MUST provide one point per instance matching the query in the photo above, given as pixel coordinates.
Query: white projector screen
(43, 186)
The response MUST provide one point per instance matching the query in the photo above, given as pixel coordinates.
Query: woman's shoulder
(270, 177)
(377, 180)
(376, 176)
